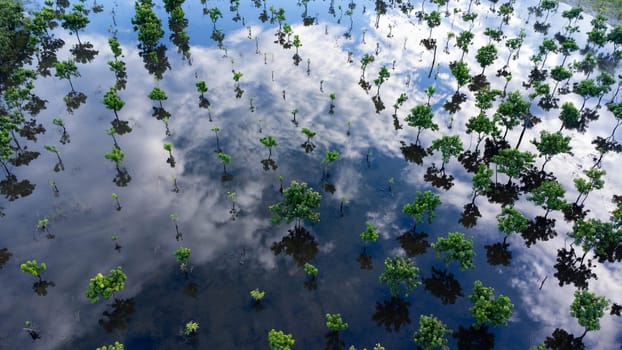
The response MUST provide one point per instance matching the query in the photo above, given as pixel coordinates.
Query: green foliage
(335, 323)
(488, 310)
(449, 146)
(593, 234)
(401, 275)
(330, 157)
(559, 73)
(308, 133)
(66, 69)
(115, 46)
(594, 181)
(549, 195)
(148, 25)
(432, 333)
(456, 248)
(33, 268)
(481, 179)
(511, 111)
(460, 71)
(551, 144)
(191, 328)
(569, 115)
(268, 141)
(278, 340)
(168, 147)
(116, 155)
(588, 308)
(383, 75)
(370, 234)
(157, 94)
(310, 270)
(105, 286)
(112, 101)
(115, 346)
(298, 203)
(15, 38)
(201, 86)
(433, 19)
(224, 158)
(75, 20)
(464, 40)
(512, 162)
(511, 220)
(237, 76)
(257, 294)
(43, 223)
(424, 203)
(587, 88)
(182, 255)
(421, 117)
(486, 55)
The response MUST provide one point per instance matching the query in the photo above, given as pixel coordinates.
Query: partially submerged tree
(549, 195)
(421, 117)
(552, 144)
(106, 286)
(432, 333)
(588, 308)
(424, 203)
(510, 221)
(298, 204)
(400, 275)
(334, 323)
(33, 268)
(278, 340)
(486, 308)
(449, 146)
(456, 248)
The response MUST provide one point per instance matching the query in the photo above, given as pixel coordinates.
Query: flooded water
(189, 198)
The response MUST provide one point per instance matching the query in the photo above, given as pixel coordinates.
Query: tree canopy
(298, 204)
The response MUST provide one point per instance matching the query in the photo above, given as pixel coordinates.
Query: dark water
(235, 252)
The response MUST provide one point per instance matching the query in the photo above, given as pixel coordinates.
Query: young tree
(449, 146)
(365, 61)
(548, 46)
(432, 333)
(310, 270)
(570, 116)
(488, 310)
(115, 346)
(278, 340)
(463, 41)
(66, 70)
(201, 87)
(597, 236)
(552, 144)
(269, 142)
(113, 102)
(116, 155)
(456, 248)
(424, 203)
(334, 323)
(549, 195)
(510, 221)
(511, 111)
(383, 75)
(481, 180)
(421, 117)
(33, 268)
(594, 182)
(433, 19)
(182, 255)
(460, 71)
(158, 94)
(214, 14)
(370, 234)
(298, 204)
(559, 74)
(512, 162)
(485, 56)
(483, 126)
(588, 308)
(106, 286)
(224, 159)
(401, 275)
(331, 156)
(76, 20)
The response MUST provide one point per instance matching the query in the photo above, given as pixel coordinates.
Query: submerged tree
(76, 20)
(66, 70)
(552, 144)
(449, 146)
(278, 340)
(485, 56)
(421, 117)
(113, 102)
